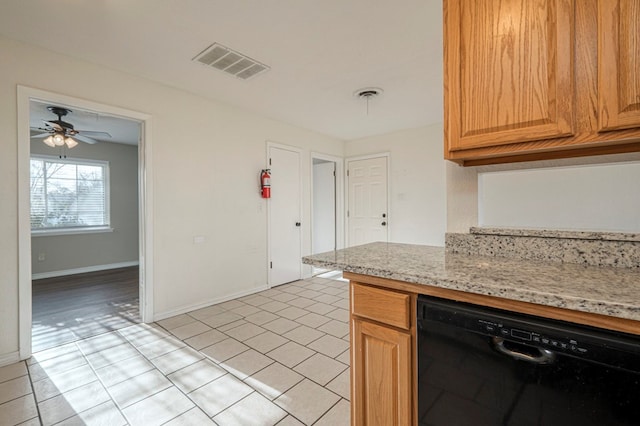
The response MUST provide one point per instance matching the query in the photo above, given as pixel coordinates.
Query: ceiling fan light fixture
(61, 133)
(58, 139)
(70, 142)
(49, 141)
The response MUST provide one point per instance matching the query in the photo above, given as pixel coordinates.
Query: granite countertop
(547, 233)
(601, 290)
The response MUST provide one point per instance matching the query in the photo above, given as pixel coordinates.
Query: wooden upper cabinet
(509, 69)
(540, 79)
(618, 64)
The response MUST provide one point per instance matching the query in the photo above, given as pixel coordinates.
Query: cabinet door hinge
(271, 265)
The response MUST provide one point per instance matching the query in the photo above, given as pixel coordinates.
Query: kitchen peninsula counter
(602, 291)
(386, 280)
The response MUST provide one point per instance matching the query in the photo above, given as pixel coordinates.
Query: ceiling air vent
(230, 61)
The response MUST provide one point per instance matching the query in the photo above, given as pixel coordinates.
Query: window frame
(74, 230)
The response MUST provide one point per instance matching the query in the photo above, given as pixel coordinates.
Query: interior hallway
(280, 356)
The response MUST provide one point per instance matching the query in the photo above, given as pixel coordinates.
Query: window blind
(68, 193)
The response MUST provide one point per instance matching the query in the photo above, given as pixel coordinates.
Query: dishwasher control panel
(551, 342)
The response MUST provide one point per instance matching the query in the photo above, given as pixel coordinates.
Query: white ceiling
(320, 52)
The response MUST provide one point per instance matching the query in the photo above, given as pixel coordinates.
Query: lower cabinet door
(381, 376)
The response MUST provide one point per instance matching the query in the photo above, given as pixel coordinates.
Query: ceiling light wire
(367, 93)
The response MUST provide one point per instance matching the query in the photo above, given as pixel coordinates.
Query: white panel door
(367, 195)
(285, 236)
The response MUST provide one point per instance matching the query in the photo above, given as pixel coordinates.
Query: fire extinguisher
(265, 183)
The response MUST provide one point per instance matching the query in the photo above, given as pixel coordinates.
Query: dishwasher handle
(545, 356)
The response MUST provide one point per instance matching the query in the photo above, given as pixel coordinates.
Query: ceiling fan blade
(41, 135)
(91, 133)
(85, 139)
(55, 126)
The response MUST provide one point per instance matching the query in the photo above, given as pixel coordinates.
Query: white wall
(206, 160)
(463, 197)
(69, 252)
(575, 198)
(417, 182)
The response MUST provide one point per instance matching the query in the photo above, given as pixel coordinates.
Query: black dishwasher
(482, 366)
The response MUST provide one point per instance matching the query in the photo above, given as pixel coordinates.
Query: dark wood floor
(66, 309)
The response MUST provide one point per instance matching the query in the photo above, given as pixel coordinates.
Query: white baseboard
(83, 270)
(9, 358)
(183, 310)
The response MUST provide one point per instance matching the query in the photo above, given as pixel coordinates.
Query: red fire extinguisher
(265, 183)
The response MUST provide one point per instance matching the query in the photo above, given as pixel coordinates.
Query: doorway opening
(84, 224)
(327, 230)
(84, 237)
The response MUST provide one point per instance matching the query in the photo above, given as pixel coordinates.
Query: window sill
(70, 231)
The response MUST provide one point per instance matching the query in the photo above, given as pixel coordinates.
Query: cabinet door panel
(618, 64)
(508, 71)
(381, 374)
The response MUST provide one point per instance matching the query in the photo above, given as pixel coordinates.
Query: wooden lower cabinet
(382, 375)
(382, 356)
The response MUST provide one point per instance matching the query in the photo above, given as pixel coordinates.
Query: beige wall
(65, 252)
(417, 182)
(206, 158)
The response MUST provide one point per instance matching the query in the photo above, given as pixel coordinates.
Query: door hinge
(347, 213)
(269, 161)
(347, 173)
(334, 173)
(271, 265)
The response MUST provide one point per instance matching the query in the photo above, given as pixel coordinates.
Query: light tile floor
(280, 356)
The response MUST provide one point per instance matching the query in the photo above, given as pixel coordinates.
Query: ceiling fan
(59, 133)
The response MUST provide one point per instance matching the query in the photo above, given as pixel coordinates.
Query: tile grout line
(330, 408)
(33, 392)
(94, 370)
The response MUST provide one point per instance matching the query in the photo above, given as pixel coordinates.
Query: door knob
(297, 223)
(384, 223)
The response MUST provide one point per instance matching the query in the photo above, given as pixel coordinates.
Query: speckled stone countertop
(546, 233)
(607, 249)
(601, 290)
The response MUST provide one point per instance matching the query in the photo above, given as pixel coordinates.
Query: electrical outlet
(41, 257)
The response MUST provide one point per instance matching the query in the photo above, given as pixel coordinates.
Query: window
(69, 194)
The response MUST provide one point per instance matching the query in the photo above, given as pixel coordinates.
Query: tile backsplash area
(587, 248)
